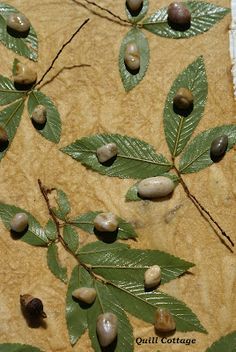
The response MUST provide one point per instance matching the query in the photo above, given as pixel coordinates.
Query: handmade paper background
(92, 100)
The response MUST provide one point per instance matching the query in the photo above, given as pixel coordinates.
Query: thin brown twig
(107, 10)
(60, 51)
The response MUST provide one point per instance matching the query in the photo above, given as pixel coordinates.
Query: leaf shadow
(17, 34)
(18, 235)
(179, 27)
(4, 145)
(107, 237)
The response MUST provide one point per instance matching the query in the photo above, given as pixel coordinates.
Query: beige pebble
(152, 277)
(164, 321)
(132, 56)
(106, 222)
(155, 187)
(107, 328)
(39, 114)
(106, 152)
(19, 222)
(18, 22)
(85, 294)
(24, 75)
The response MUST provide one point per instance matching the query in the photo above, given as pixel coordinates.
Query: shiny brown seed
(3, 136)
(24, 75)
(39, 115)
(164, 321)
(106, 222)
(183, 99)
(155, 187)
(32, 306)
(106, 152)
(152, 277)
(178, 14)
(85, 294)
(134, 5)
(107, 328)
(19, 222)
(132, 57)
(219, 146)
(18, 22)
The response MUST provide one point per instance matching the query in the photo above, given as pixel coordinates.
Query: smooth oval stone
(152, 276)
(18, 22)
(107, 328)
(19, 222)
(85, 294)
(134, 5)
(39, 115)
(24, 75)
(132, 56)
(178, 14)
(219, 146)
(106, 222)
(164, 321)
(155, 187)
(183, 99)
(106, 152)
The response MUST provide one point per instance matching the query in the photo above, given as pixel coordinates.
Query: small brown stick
(60, 51)
(107, 10)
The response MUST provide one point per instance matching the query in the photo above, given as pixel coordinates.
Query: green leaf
(8, 93)
(197, 155)
(106, 302)
(35, 234)
(178, 129)
(28, 46)
(63, 205)
(76, 313)
(52, 128)
(71, 238)
(132, 194)
(53, 263)
(224, 344)
(203, 16)
(140, 16)
(120, 264)
(143, 305)
(130, 80)
(10, 119)
(85, 222)
(51, 230)
(135, 159)
(17, 347)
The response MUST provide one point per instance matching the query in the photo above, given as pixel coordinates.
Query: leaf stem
(60, 51)
(201, 208)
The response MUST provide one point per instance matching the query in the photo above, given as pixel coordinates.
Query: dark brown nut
(219, 146)
(39, 115)
(18, 22)
(85, 294)
(164, 321)
(152, 277)
(3, 136)
(106, 152)
(19, 222)
(132, 57)
(183, 99)
(32, 306)
(178, 15)
(24, 75)
(106, 222)
(107, 328)
(134, 5)
(155, 187)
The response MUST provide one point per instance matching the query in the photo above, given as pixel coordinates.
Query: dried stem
(107, 10)
(201, 208)
(60, 51)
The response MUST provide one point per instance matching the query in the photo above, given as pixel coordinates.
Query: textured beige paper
(92, 100)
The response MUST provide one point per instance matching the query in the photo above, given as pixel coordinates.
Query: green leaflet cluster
(114, 269)
(203, 17)
(226, 343)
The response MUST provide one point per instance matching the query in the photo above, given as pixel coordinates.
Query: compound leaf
(53, 263)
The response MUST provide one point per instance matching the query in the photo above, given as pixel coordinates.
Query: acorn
(183, 100)
(32, 306)
(179, 16)
(39, 115)
(85, 294)
(24, 75)
(106, 152)
(164, 321)
(106, 222)
(152, 277)
(134, 6)
(218, 147)
(19, 222)
(18, 23)
(107, 328)
(132, 57)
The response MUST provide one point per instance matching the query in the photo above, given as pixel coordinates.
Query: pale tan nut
(183, 99)
(132, 57)
(134, 5)
(32, 306)
(152, 277)
(155, 187)
(85, 294)
(18, 22)
(178, 14)
(106, 152)
(164, 321)
(106, 222)
(107, 328)
(39, 114)
(24, 75)
(19, 222)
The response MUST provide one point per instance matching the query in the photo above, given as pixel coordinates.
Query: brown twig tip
(60, 51)
(107, 10)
